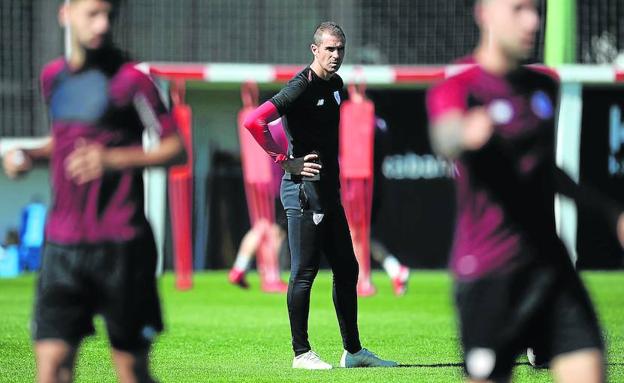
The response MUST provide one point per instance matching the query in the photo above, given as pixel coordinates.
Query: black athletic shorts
(115, 280)
(540, 305)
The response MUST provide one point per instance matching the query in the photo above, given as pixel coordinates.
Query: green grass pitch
(219, 333)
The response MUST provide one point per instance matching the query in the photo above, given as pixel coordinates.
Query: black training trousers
(312, 231)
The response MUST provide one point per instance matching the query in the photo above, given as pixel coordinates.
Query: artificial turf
(218, 332)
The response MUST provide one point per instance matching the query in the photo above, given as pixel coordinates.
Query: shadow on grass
(432, 365)
(459, 364)
(456, 364)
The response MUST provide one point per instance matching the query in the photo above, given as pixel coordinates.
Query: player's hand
(620, 229)
(16, 162)
(478, 128)
(86, 163)
(304, 166)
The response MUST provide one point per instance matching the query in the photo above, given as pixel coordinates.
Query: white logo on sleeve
(501, 111)
(320, 102)
(337, 96)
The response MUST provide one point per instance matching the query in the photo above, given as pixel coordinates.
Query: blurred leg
(55, 361)
(132, 367)
(583, 366)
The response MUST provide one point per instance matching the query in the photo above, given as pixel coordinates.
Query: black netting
(29, 37)
(405, 32)
(279, 31)
(16, 71)
(600, 31)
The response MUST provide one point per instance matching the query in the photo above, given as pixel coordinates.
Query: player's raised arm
(453, 128)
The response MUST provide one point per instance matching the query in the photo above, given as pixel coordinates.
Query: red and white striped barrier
(370, 74)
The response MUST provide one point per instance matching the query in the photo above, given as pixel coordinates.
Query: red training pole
(258, 178)
(180, 195)
(357, 134)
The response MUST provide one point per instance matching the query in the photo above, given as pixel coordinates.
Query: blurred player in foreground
(310, 108)
(100, 256)
(515, 286)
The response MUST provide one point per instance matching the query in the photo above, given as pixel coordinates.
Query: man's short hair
(330, 27)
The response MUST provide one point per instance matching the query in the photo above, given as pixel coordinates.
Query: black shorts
(115, 280)
(538, 305)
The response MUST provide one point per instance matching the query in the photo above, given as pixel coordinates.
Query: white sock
(392, 266)
(242, 262)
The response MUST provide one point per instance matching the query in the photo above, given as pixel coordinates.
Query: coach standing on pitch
(310, 108)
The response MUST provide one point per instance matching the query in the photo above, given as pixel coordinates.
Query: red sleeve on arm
(277, 131)
(257, 122)
(445, 97)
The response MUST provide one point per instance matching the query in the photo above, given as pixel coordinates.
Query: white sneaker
(310, 361)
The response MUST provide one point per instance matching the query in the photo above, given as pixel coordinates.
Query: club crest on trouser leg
(317, 218)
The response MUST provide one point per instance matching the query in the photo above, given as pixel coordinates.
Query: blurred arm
(89, 161)
(41, 153)
(18, 161)
(588, 198)
(454, 127)
(454, 132)
(170, 151)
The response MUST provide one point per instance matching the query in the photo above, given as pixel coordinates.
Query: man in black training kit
(310, 108)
